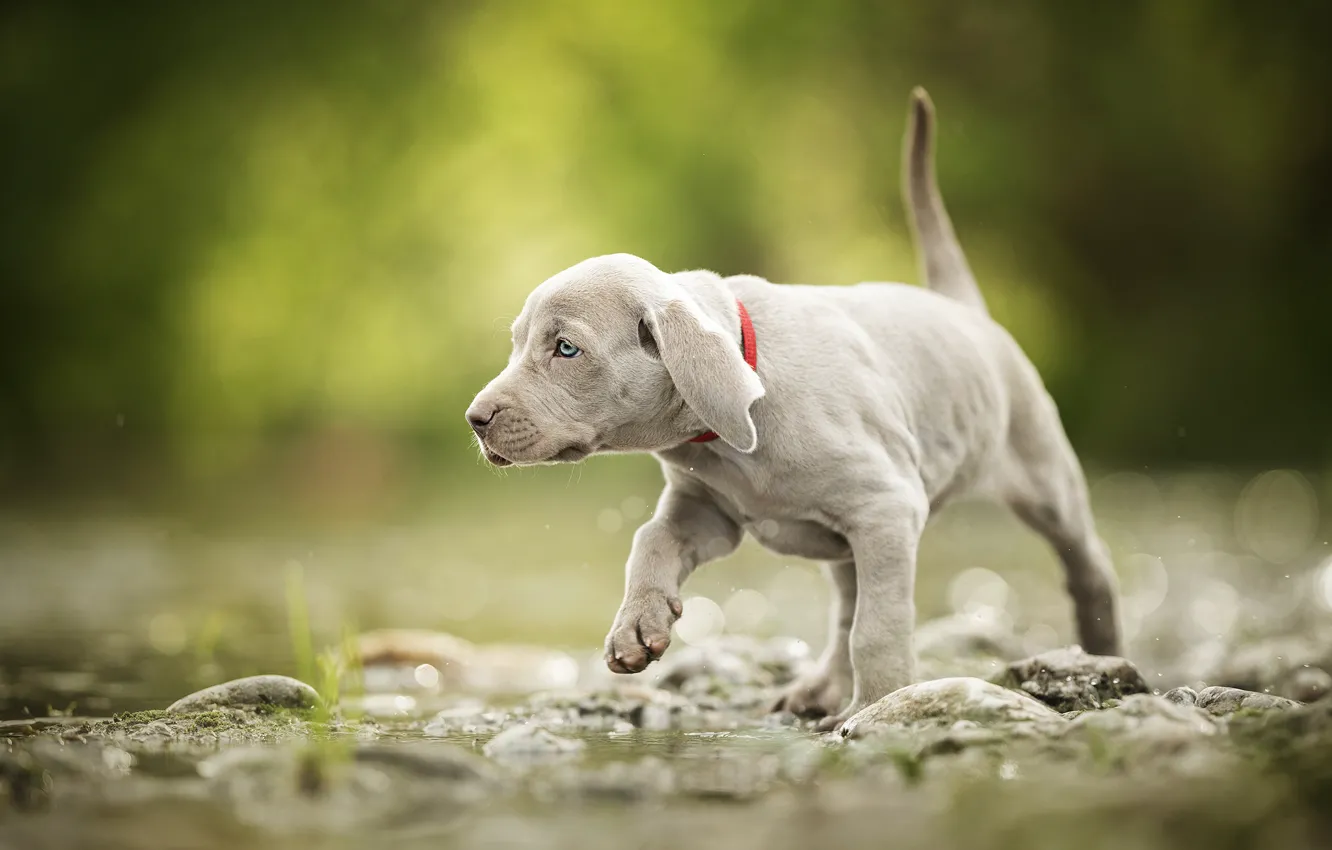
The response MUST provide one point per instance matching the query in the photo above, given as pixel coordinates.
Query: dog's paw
(837, 722)
(642, 631)
(815, 696)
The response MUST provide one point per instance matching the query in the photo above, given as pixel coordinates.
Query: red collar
(749, 343)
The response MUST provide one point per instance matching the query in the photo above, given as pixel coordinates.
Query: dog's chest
(799, 539)
(764, 507)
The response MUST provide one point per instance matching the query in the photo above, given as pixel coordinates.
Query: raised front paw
(819, 694)
(642, 631)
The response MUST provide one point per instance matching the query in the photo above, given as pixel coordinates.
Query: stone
(732, 673)
(397, 666)
(733, 660)
(397, 660)
(784, 658)
(467, 718)
(1146, 717)
(1282, 730)
(1070, 679)
(946, 701)
(1308, 684)
(1295, 666)
(35, 725)
(1222, 700)
(529, 740)
(250, 692)
(159, 730)
(644, 707)
(697, 668)
(412, 647)
(1182, 696)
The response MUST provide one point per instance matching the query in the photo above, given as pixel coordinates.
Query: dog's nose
(480, 415)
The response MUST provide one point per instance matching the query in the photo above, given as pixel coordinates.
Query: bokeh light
(633, 508)
(747, 611)
(1215, 607)
(426, 676)
(979, 592)
(1277, 516)
(701, 622)
(1324, 578)
(610, 520)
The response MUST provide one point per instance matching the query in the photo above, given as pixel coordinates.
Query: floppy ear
(708, 369)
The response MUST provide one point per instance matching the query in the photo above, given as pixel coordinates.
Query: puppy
(826, 422)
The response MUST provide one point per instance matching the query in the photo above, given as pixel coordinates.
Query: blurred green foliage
(236, 225)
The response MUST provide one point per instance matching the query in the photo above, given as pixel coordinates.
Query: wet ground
(1227, 581)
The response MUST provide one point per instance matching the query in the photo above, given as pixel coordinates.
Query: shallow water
(105, 616)
(129, 613)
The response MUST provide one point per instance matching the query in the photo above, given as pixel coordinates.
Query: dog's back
(924, 372)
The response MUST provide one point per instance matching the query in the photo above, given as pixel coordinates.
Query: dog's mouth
(569, 454)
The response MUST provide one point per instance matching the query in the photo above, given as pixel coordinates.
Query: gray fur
(942, 263)
(873, 406)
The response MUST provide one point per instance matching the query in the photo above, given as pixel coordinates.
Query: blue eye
(566, 349)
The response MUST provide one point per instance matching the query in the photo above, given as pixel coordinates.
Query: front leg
(687, 529)
(884, 541)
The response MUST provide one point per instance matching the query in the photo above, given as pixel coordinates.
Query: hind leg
(1048, 491)
(823, 690)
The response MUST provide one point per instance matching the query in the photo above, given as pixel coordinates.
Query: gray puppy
(868, 408)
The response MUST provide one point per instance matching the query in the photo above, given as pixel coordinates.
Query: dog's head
(615, 355)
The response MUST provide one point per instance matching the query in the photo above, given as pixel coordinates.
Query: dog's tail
(942, 262)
